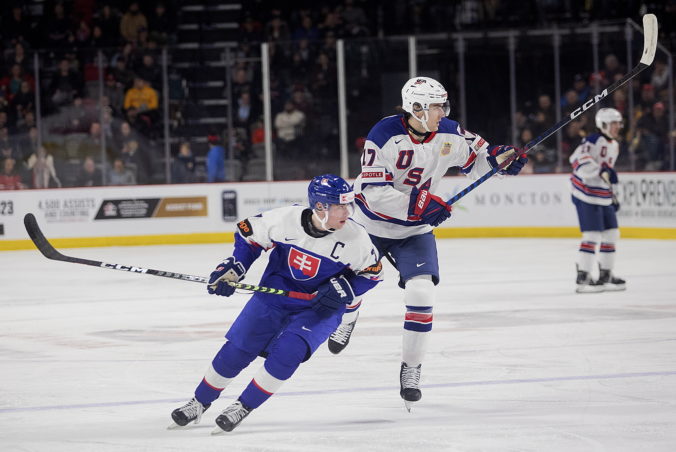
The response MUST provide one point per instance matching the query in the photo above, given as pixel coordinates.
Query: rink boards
(524, 206)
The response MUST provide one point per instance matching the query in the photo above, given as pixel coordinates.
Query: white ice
(95, 360)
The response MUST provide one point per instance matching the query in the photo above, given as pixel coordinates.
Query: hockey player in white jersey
(405, 156)
(592, 189)
(312, 250)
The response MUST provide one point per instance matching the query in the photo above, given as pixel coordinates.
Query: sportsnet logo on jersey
(302, 266)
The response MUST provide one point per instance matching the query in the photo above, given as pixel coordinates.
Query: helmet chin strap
(322, 221)
(423, 121)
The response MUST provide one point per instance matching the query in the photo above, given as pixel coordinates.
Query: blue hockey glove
(428, 207)
(332, 295)
(228, 270)
(608, 174)
(500, 153)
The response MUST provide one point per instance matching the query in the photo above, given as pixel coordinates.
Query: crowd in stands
(82, 138)
(113, 131)
(644, 141)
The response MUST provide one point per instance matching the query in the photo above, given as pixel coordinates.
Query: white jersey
(394, 162)
(301, 262)
(589, 157)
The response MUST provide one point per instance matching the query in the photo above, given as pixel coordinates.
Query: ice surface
(95, 360)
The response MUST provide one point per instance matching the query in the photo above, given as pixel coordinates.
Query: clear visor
(445, 107)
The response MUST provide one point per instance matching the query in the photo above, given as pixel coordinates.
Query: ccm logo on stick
(578, 111)
(124, 267)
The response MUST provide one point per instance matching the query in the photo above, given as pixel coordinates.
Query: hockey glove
(427, 207)
(332, 295)
(228, 270)
(616, 204)
(500, 153)
(608, 174)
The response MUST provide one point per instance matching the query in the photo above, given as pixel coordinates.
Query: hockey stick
(50, 252)
(649, 48)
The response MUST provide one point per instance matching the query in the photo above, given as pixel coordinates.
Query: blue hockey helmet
(329, 189)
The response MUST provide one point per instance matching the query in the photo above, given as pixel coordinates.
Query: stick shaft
(649, 46)
(48, 250)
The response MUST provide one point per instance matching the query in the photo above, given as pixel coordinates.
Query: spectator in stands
(333, 23)
(161, 23)
(244, 114)
(648, 98)
(137, 161)
(23, 101)
(653, 129)
(215, 160)
(660, 76)
(121, 73)
(66, 85)
(12, 82)
(183, 166)
(277, 29)
(8, 148)
(27, 143)
(10, 179)
(250, 31)
(57, 27)
(89, 175)
(19, 57)
(120, 175)
(108, 20)
(611, 69)
(131, 23)
(115, 94)
(581, 87)
(306, 30)
(141, 96)
(16, 26)
(90, 146)
(41, 166)
(289, 124)
(149, 71)
(83, 35)
(124, 134)
(354, 20)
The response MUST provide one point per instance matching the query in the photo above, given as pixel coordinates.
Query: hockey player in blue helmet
(315, 250)
(331, 200)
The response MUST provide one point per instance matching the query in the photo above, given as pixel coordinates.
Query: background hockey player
(405, 156)
(313, 250)
(592, 184)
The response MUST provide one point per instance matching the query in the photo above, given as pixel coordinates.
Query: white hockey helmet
(605, 116)
(419, 93)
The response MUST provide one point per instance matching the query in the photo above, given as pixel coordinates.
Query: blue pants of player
(599, 233)
(287, 337)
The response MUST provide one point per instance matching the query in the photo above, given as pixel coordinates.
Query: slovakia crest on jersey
(302, 265)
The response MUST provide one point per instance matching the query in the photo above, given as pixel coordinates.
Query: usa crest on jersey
(302, 265)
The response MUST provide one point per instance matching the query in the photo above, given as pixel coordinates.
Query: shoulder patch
(374, 269)
(245, 228)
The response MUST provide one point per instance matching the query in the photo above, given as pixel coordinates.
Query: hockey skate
(409, 378)
(585, 284)
(231, 417)
(191, 411)
(610, 282)
(341, 337)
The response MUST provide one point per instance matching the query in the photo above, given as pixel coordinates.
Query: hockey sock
(351, 312)
(607, 250)
(419, 298)
(286, 355)
(587, 254)
(227, 364)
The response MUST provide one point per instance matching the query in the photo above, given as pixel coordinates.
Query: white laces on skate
(235, 412)
(410, 377)
(342, 334)
(193, 409)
